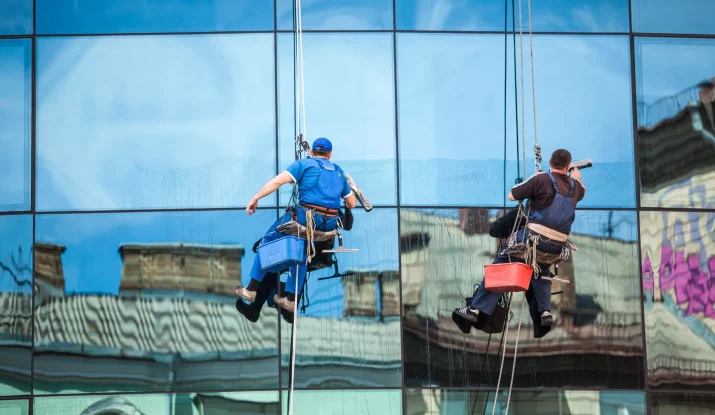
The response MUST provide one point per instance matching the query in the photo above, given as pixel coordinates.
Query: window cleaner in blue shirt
(552, 198)
(321, 187)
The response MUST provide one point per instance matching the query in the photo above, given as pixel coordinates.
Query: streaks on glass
(15, 304)
(452, 151)
(678, 252)
(453, 402)
(255, 403)
(349, 335)
(345, 402)
(597, 338)
(682, 403)
(15, 122)
(144, 301)
(349, 98)
(147, 16)
(337, 14)
(676, 122)
(176, 121)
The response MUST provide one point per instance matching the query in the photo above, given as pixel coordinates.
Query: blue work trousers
(485, 300)
(322, 223)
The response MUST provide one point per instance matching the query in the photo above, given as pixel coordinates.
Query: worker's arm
(268, 188)
(350, 200)
(523, 190)
(511, 196)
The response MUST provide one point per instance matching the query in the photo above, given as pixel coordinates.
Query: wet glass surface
(16, 17)
(345, 402)
(682, 403)
(672, 16)
(597, 337)
(144, 302)
(337, 14)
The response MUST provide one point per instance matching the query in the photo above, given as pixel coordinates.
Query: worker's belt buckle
(331, 213)
(548, 232)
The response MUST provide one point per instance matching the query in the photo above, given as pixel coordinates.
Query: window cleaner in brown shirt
(552, 201)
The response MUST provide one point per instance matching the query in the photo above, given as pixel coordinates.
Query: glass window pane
(15, 407)
(678, 253)
(452, 148)
(145, 302)
(15, 123)
(673, 16)
(349, 335)
(571, 16)
(682, 403)
(349, 98)
(337, 14)
(676, 122)
(452, 15)
(457, 402)
(15, 17)
(345, 402)
(147, 16)
(597, 338)
(176, 121)
(238, 403)
(15, 305)
(488, 15)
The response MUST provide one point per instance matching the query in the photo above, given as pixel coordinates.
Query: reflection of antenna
(611, 227)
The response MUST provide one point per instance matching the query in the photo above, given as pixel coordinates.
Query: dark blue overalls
(323, 194)
(558, 216)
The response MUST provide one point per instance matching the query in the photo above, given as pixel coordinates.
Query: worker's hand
(575, 174)
(252, 206)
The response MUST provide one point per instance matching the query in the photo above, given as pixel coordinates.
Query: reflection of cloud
(331, 15)
(196, 103)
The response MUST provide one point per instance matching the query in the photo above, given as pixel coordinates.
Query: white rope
(301, 127)
(501, 366)
(516, 348)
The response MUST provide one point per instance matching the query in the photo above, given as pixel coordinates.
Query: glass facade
(134, 132)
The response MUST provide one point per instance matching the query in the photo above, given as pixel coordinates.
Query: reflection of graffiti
(691, 276)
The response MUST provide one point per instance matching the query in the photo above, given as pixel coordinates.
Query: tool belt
(323, 211)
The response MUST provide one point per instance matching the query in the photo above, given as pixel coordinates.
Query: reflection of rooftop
(680, 146)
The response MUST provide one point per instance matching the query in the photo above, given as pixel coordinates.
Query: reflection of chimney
(48, 264)
(188, 267)
(474, 221)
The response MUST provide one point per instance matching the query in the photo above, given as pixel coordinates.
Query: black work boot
(467, 313)
(248, 310)
(547, 319)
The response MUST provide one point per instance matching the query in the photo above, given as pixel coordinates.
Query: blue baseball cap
(322, 144)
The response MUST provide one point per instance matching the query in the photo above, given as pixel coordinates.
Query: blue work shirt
(320, 182)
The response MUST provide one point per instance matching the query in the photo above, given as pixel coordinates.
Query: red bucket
(507, 278)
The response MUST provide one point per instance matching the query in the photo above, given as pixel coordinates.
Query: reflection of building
(680, 147)
(173, 326)
(596, 325)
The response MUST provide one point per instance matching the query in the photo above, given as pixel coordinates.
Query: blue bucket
(282, 253)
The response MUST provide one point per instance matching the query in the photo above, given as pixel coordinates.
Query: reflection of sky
(154, 122)
(451, 103)
(15, 123)
(375, 235)
(15, 235)
(337, 15)
(554, 15)
(92, 263)
(134, 16)
(666, 66)
(15, 17)
(673, 16)
(350, 100)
